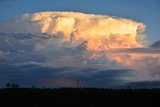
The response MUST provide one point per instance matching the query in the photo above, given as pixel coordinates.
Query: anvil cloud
(58, 39)
(100, 31)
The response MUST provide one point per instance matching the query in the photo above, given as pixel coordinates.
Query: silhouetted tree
(8, 85)
(14, 85)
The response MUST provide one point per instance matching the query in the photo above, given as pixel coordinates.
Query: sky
(146, 11)
(88, 43)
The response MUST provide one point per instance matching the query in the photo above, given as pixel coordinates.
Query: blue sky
(146, 11)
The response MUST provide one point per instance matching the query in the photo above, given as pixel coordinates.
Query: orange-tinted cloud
(100, 31)
(77, 39)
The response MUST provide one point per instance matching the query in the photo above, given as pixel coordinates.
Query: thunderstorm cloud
(59, 48)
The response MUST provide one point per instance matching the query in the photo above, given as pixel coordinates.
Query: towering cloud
(101, 32)
(77, 39)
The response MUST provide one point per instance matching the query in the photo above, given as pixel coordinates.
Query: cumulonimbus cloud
(100, 31)
(86, 39)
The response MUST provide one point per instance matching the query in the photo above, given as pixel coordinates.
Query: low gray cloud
(144, 84)
(44, 76)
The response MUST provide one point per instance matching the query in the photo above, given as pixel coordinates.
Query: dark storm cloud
(144, 84)
(37, 75)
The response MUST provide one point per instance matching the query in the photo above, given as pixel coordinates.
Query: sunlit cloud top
(100, 31)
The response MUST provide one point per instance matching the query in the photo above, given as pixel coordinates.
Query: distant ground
(86, 97)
